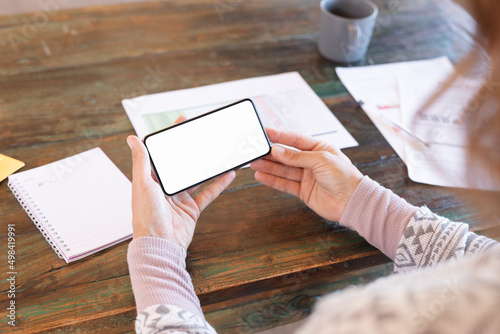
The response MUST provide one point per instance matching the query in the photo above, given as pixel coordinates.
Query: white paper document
(393, 96)
(283, 101)
(376, 89)
(442, 125)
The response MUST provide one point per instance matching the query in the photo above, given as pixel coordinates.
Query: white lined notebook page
(82, 202)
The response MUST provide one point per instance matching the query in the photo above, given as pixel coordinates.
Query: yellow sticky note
(8, 166)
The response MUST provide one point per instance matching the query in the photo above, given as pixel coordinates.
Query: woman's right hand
(317, 173)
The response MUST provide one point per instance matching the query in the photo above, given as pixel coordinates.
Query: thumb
(141, 168)
(296, 158)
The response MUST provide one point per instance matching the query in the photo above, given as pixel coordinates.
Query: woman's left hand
(154, 214)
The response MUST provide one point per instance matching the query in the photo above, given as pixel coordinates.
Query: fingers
(192, 190)
(179, 119)
(279, 183)
(153, 176)
(277, 169)
(293, 139)
(295, 158)
(141, 167)
(268, 158)
(210, 193)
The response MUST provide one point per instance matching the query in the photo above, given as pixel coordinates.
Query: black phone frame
(193, 119)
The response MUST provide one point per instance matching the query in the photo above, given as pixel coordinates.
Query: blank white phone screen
(205, 147)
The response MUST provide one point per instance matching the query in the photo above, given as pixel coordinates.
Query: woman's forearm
(378, 215)
(158, 274)
(412, 237)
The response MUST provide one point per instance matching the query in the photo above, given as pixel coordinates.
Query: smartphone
(199, 149)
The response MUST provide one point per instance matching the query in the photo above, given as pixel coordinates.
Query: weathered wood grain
(68, 307)
(261, 311)
(103, 35)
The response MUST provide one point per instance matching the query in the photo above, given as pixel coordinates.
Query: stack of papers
(284, 101)
(429, 139)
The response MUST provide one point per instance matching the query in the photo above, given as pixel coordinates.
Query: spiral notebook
(81, 204)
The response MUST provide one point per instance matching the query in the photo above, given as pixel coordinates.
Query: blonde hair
(483, 131)
(483, 128)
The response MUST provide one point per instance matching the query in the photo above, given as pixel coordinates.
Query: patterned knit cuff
(430, 239)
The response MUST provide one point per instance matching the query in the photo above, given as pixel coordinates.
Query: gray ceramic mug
(346, 28)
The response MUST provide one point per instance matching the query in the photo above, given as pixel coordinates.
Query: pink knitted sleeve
(158, 268)
(158, 274)
(378, 215)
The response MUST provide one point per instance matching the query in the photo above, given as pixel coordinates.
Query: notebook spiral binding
(29, 208)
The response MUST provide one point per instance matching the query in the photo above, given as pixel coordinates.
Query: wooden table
(259, 258)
